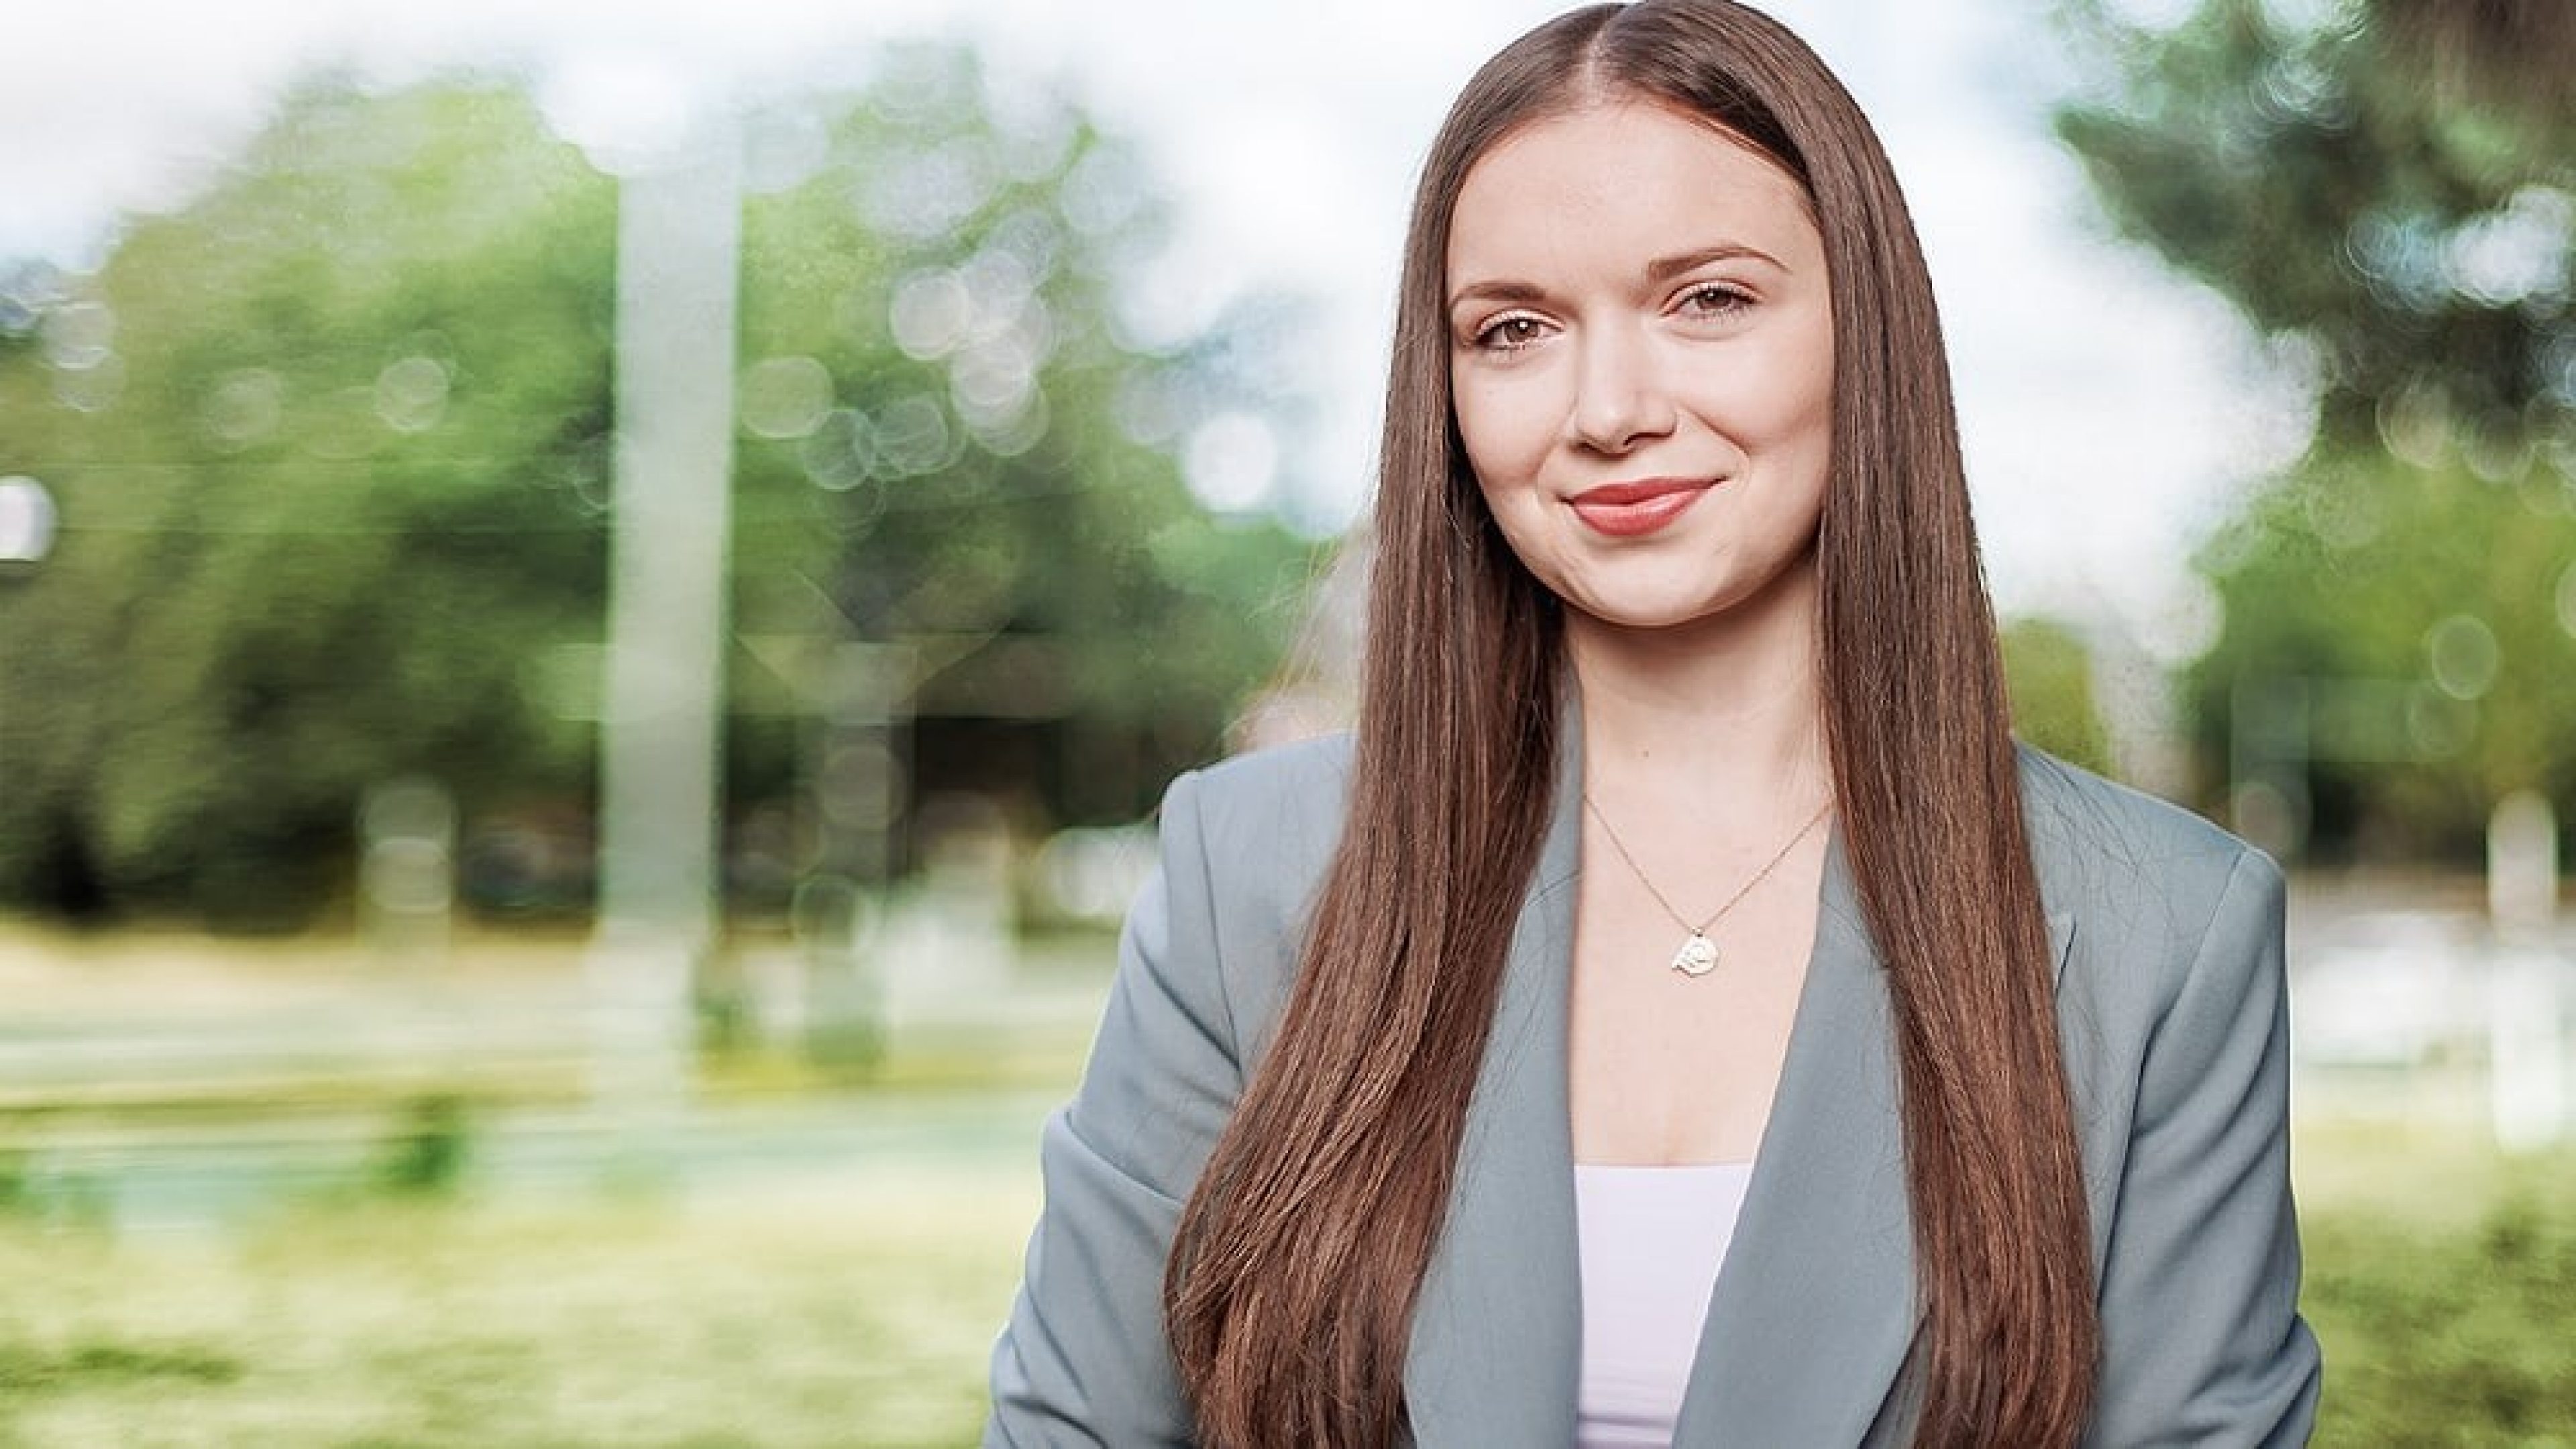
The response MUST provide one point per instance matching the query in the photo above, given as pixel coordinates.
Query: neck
(1724, 713)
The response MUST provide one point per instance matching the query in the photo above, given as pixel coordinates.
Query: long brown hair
(1298, 1258)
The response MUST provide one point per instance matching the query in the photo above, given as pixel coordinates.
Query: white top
(1651, 1240)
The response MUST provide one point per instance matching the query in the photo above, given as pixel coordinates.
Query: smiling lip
(1633, 510)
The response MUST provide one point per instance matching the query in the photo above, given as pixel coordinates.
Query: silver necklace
(1698, 954)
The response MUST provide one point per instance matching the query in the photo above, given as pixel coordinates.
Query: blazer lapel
(1496, 1345)
(1814, 1311)
(1814, 1305)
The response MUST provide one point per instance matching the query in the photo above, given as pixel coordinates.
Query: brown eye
(1505, 334)
(1715, 301)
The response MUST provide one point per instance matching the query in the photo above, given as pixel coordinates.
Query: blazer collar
(1814, 1310)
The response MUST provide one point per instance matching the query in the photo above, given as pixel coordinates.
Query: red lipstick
(1633, 510)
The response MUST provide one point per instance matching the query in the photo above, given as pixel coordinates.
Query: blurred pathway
(173, 1083)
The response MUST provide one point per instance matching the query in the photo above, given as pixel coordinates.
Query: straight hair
(1298, 1258)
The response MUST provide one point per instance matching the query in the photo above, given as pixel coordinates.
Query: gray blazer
(2167, 934)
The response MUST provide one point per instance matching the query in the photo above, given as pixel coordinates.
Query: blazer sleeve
(2202, 1343)
(1084, 1360)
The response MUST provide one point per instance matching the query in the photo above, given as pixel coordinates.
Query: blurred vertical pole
(26, 536)
(2527, 1077)
(679, 234)
(861, 787)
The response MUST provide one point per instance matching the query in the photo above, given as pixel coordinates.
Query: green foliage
(93, 1366)
(1119, 605)
(2411, 618)
(2049, 673)
(36, 1192)
(2444, 1337)
(281, 577)
(430, 1150)
(2408, 228)
(331, 447)
(2387, 187)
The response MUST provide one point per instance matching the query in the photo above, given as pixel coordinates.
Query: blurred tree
(331, 445)
(2050, 675)
(318, 441)
(2384, 188)
(995, 478)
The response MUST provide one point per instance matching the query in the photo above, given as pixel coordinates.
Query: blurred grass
(858, 1317)
(2441, 1280)
(2457, 1337)
(857, 1310)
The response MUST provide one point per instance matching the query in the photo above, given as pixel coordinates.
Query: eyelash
(1490, 336)
(1707, 300)
(1724, 299)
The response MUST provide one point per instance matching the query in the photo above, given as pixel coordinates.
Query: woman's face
(1641, 353)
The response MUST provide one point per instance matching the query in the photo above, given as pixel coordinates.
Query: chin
(1646, 616)
(1725, 603)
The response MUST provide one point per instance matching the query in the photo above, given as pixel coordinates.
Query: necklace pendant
(1697, 957)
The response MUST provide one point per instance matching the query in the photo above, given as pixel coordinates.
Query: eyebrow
(1664, 269)
(1657, 273)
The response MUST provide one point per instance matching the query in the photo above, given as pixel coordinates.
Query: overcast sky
(2109, 411)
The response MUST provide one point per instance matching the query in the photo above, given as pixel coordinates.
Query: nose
(1620, 399)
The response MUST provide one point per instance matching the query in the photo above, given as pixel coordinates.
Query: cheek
(1810, 383)
(1768, 400)
(1497, 455)
(1505, 434)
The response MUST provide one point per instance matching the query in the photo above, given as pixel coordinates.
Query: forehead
(1619, 180)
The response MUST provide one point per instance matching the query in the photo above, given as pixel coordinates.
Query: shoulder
(2172, 999)
(2145, 895)
(1281, 801)
(2168, 928)
(2099, 845)
(1246, 843)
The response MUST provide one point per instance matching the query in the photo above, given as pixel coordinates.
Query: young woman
(1679, 1014)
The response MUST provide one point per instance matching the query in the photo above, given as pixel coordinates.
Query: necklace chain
(1698, 955)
